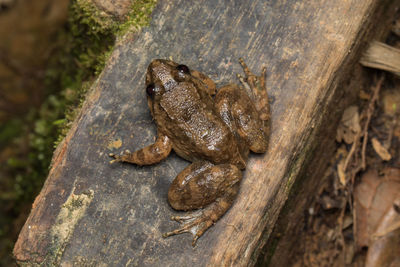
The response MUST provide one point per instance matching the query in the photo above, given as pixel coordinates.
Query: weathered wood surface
(93, 213)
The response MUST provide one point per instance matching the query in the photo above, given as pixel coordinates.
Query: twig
(370, 111)
(390, 134)
(352, 150)
(363, 149)
(364, 132)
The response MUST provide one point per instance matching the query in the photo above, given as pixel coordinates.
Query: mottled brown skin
(216, 135)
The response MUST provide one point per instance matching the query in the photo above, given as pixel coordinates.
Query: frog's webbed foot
(198, 222)
(256, 89)
(194, 223)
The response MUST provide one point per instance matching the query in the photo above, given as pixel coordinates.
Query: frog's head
(163, 75)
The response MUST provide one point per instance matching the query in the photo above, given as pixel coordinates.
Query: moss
(87, 13)
(138, 17)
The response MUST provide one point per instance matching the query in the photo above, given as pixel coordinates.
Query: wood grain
(123, 208)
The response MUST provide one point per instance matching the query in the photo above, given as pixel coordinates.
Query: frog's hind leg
(246, 110)
(239, 113)
(198, 222)
(210, 188)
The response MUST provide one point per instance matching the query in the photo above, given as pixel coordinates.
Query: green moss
(75, 204)
(87, 14)
(138, 17)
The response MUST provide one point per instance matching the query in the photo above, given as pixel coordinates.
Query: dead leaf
(382, 56)
(348, 220)
(380, 150)
(384, 251)
(349, 125)
(341, 172)
(376, 219)
(328, 203)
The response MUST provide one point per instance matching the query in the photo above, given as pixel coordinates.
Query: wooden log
(92, 213)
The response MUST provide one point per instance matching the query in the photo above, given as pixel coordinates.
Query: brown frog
(215, 134)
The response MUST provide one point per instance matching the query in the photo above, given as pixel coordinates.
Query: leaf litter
(355, 218)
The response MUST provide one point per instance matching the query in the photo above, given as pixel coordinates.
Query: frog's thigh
(201, 183)
(240, 114)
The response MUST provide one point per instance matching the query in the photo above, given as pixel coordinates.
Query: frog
(214, 129)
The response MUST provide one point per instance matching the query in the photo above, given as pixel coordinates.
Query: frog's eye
(183, 69)
(150, 89)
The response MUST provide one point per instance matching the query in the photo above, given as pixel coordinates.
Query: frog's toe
(255, 85)
(188, 218)
(116, 158)
(196, 224)
(176, 232)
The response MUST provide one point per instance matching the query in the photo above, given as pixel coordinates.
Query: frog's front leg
(148, 155)
(209, 85)
(205, 186)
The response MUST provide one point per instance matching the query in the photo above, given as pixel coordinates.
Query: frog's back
(195, 129)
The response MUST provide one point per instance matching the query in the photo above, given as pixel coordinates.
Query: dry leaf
(349, 125)
(341, 172)
(382, 56)
(376, 220)
(384, 251)
(380, 150)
